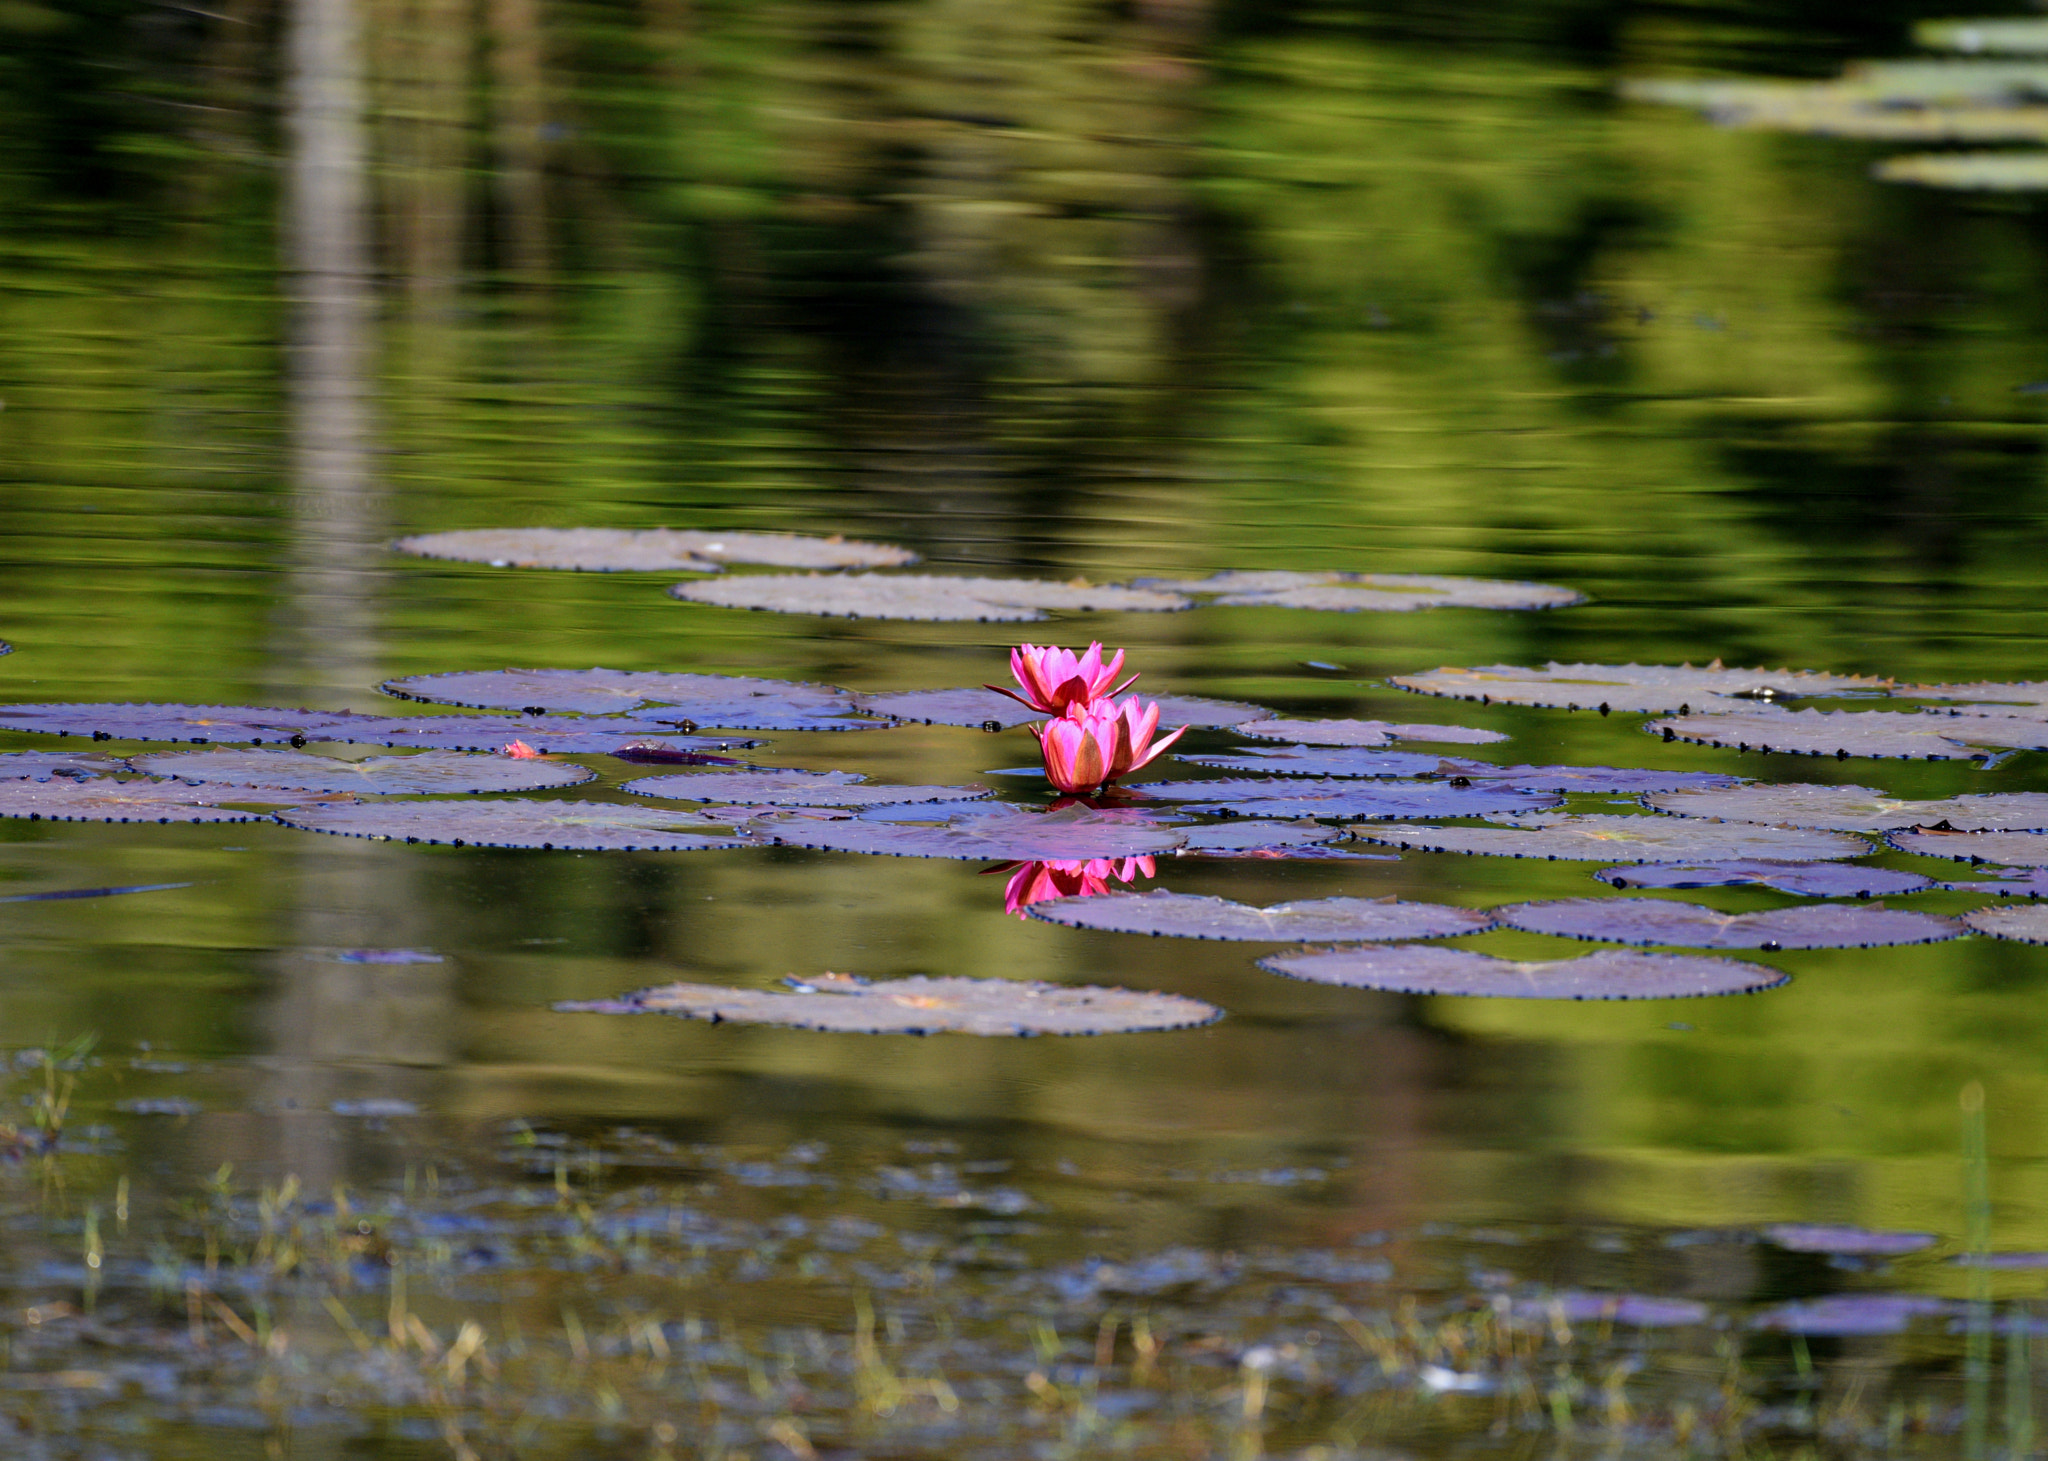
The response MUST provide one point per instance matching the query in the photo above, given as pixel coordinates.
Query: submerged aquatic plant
(1057, 680)
(1039, 882)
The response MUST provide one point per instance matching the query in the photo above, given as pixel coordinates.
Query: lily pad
(423, 772)
(1575, 838)
(1336, 761)
(1324, 920)
(1629, 687)
(1353, 800)
(1974, 172)
(918, 1006)
(196, 723)
(106, 800)
(2015, 883)
(794, 789)
(976, 707)
(579, 825)
(2000, 37)
(1846, 1316)
(1855, 1242)
(991, 833)
(42, 765)
(1597, 780)
(648, 550)
(2012, 697)
(1241, 836)
(1609, 974)
(2025, 923)
(1858, 808)
(1844, 733)
(1363, 732)
(713, 702)
(1381, 592)
(1641, 1311)
(922, 597)
(1660, 921)
(1806, 879)
(545, 733)
(2008, 849)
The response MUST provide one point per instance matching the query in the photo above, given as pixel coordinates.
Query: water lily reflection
(1035, 882)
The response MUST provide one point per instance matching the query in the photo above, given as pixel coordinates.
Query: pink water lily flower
(1092, 745)
(1037, 882)
(1056, 679)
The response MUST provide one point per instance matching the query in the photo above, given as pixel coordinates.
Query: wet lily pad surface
(1857, 1242)
(2011, 883)
(1371, 592)
(714, 702)
(925, 597)
(255, 724)
(1609, 974)
(106, 800)
(2025, 923)
(1858, 808)
(1335, 761)
(1237, 835)
(1357, 800)
(1364, 732)
(1165, 914)
(569, 735)
(2009, 849)
(975, 707)
(425, 772)
(1845, 1316)
(1843, 733)
(1629, 687)
(1806, 879)
(1640, 1311)
(1597, 780)
(645, 550)
(918, 1006)
(794, 789)
(1571, 837)
(1662, 921)
(477, 822)
(42, 765)
(2009, 697)
(990, 833)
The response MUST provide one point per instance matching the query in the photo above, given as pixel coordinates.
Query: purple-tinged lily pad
(794, 789)
(1845, 733)
(2007, 849)
(1858, 808)
(1848, 1241)
(989, 832)
(107, 800)
(1597, 780)
(648, 550)
(1335, 761)
(1640, 1311)
(42, 765)
(1241, 836)
(387, 956)
(2020, 697)
(64, 895)
(1381, 592)
(1370, 800)
(565, 735)
(922, 597)
(1568, 837)
(2025, 923)
(2007, 1260)
(1631, 687)
(1609, 974)
(1652, 921)
(1807, 879)
(978, 707)
(1849, 1316)
(196, 723)
(413, 775)
(918, 1006)
(2010, 883)
(1321, 920)
(1363, 732)
(712, 702)
(550, 825)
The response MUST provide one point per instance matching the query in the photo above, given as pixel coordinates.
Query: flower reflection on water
(1036, 882)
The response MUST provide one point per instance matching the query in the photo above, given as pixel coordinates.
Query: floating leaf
(62, 895)
(925, 597)
(1845, 1316)
(2010, 1260)
(713, 702)
(1596, 780)
(1977, 172)
(475, 822)
(42, 765)
(989, 833)
(2000, 37)
(1858, 808)
(1384, 592)
(668, 550)
(1321, 920)
(794, 789)
(107, 800)
(2012, 697)
(1640, 1311)
(387, 956)
(1337, 761)
(2025, 923)
(2009, 849)
(546, 734)
(918, 1006)
(1858, 1242)
(2017, 883)
(1807, 879)
(1241, 836)
(1354, 800)
(1843, 733)
(196, 723)
(1690, 925)
(1363, 732)
(1574, 838)
(424, 771)
(1609, 974)
(977, 707)
(1629, 687)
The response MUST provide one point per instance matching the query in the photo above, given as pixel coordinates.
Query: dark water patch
(1364, 733)
(922, 597)
(548, 825)
(1323, 920)
(1572, 837)
(713, 702)
(1609, 974)
(420, 773)
(1631, 687)
(1661, 921)
(1806, 879)
(649, 550)
(1858, 808)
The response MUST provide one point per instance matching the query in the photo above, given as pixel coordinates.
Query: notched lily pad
(1652, 921)
(989, 833)
(1609, 974)
(794, 789)
(1324, 920)
(713, 702)
(2025, 923)
(918, 1006)
(42, 765)
(2014, 883)
(545, 733)
(977, 707)
(1844, 733)
(2012, 697)
(1241, 836)
(1629, 687)
(1806, 879)
(550, 825)
(257, 724)
(1344, 801)
(2008, 849)
(1598, 780)
(107, 800)
(1858, 808)
(648, 550)
(922, 597)
(1855, 1242)
(1337, 761)
(423, 772)
(1364, 732)
(1574, 838)
(1380, 592)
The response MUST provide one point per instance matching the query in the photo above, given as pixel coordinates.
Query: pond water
(1150, 292)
